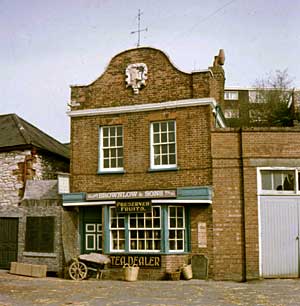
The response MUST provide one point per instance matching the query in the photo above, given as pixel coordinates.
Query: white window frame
(95, 231)
(231, 95)
(277, 192)
(176, 229)
(145, 229)
(117, 229)
(152, 144)
(103, 169)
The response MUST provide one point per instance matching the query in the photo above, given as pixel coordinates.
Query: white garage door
(279, 234)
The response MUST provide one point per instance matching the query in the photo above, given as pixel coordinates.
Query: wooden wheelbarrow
(80, 266)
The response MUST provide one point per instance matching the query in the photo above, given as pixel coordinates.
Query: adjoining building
(159, 181)
(30, 205)
(241, 106)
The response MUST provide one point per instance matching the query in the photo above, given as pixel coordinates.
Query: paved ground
(19, 290)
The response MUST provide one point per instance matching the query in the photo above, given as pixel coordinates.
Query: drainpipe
(243, 210)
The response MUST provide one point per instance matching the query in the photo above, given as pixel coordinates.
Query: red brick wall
(164, 83)
(235, 193)
(193, 152)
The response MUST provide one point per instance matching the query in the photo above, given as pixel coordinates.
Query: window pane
(289, 180)
(156, 138)
(179, 245)
(113, 163)
(112, 142)
(105, 132)
(172, 211)
(277, 181)
(172, 159)
(106, 153)
(266, 180)
(156, 150)
(172, 149)
(120, 152)
(157, 160)
(164, 137)
(171, 234)
(156, 127)
(119, 141)
(120, 163)
(172, 222)
(105, 142)
(164, 149)
(120, 131)
(171, 125)
(112, 131)
(171, 137)
(164, 160)
(163, 126)
(172, 245)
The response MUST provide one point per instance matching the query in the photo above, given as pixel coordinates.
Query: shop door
(91, 224)
(279, 231)
(8, 241)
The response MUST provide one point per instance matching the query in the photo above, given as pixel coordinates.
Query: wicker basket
(131, 272)
(187, 272)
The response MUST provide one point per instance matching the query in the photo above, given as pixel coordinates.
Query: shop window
(39, 235)
(163, 145)
(117, 230)
(163, 229)
(278, 180)
(176, 228)
(145, 231)
(111, 149)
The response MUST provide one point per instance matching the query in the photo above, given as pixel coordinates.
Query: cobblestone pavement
(19, 290)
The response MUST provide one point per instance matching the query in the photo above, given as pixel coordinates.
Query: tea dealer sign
(122, 195)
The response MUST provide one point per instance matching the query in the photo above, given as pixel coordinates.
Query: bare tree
(274, 97)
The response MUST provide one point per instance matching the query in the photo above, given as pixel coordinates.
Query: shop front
(149, 229)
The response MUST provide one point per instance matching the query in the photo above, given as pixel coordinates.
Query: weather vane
(139, 30)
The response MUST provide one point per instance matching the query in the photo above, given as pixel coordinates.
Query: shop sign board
(133, 206)
(143, 261)
(119, 195)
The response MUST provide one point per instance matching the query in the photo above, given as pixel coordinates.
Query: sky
(48, 45)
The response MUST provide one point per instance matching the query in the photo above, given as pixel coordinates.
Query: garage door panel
(279, 230)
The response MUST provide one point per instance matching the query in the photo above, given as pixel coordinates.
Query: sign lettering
(133, 206)
(148, 194)
(144, 261)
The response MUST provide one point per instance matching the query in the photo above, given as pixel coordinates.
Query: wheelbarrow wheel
(78, 270)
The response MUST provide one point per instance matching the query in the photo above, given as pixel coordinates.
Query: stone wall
(19, 165)
(12, 176)
(42, 208)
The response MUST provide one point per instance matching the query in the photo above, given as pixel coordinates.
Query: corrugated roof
(14, 132)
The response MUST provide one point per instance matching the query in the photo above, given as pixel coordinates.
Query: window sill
(39, 254)
(101, 172)
(163, 169)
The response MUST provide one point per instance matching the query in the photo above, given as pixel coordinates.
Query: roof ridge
(21, 129)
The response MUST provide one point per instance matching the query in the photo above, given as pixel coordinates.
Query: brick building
(30, 206)
(242, 104)
(159, 181)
